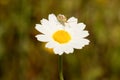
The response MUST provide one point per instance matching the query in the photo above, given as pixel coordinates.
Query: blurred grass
(22, 57)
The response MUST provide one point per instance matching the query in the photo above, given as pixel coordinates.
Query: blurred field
(22, 57)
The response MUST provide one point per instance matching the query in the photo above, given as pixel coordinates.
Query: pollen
(61, 36)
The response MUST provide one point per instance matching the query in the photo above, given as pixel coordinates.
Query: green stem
(60, 68)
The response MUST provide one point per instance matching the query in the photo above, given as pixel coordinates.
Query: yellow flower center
(61, 36)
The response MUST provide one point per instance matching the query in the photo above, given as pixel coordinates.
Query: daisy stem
(61, 67)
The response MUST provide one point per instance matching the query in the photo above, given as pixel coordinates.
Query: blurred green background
(22, 57)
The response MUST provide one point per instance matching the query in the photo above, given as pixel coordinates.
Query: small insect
(62, 19)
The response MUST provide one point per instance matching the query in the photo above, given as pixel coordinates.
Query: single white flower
(62, 35)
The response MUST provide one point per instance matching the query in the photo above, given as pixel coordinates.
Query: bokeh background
(22, 57)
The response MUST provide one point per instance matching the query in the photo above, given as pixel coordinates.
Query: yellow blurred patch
(101, 2)
(4, 2)
(49, 50)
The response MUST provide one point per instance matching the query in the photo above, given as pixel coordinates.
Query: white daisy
(62, 35)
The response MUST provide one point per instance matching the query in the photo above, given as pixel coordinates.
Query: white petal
(78, 27)
(51, 44)
(47, 30)
(78, 44)
(68, 50)
(83, 41)
(81, 26)
(45, 22)
(42, 38)
(40, 28)
(84, 34)
(58, 50)
(77, 33)
(72, 20)
(80, 34)
(52, 18)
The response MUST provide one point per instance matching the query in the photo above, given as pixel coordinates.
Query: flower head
(62, 35)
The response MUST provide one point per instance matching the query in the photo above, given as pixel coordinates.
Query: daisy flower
(62, 35)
